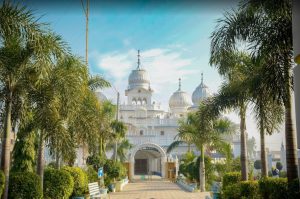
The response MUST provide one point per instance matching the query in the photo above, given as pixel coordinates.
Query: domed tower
(179, 102)
(201, 93)
(139, 91)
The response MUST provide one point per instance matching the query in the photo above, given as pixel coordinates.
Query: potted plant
(102, 188)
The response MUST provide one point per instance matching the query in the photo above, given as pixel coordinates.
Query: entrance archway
(147, 157)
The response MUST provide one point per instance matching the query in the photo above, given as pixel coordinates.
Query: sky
(173, 37)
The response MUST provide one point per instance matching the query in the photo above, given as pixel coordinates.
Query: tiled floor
(155, 189)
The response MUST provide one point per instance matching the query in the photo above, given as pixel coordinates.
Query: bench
(94, 191)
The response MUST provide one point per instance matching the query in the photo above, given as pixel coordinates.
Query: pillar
(163, 166)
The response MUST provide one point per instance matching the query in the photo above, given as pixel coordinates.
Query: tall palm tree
(56, 100)
(234, 94)
(266, 28)
(268, 113)
(26, 45)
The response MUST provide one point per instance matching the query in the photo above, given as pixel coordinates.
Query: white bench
(94, 191)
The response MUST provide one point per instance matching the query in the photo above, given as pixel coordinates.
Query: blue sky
(173, 36)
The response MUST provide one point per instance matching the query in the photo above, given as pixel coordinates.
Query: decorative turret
(180, 101)
(200, 93)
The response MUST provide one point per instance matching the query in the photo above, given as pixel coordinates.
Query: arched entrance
(147, 157)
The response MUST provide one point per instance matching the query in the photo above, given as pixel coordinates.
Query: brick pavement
(155, 189)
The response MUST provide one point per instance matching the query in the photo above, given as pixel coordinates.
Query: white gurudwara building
(150, 128)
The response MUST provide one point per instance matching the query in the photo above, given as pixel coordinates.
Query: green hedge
(273, 188)
(232, 191)
(294, 192)
(58, 184)
(266, 188)
(2, 182)
(231, 178)
(24, 185)
(249, 189)
(80, 180)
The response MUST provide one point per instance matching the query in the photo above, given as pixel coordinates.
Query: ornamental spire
(139, 62)
(179, 88)
(202, 78)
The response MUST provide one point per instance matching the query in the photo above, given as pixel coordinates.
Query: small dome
(180, 99)
(201, 92)
(101, 96)
(139, 78)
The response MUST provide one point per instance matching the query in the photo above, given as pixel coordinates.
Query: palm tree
(234, 94)
(266, 28)
(119, 134)
(26, 45)
(122, 150)
(204, 130)
(268, 113)
(56, 100)
(183, 137)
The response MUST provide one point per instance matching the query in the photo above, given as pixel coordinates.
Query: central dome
(180, 99)
(139, 78)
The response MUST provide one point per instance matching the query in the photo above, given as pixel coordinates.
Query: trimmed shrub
(2, 182)
(92, 174)
(273, 188)
(249, 189)
(24, 185)
(80, 180)
(57, 184)
(231, 178)
(232, 191)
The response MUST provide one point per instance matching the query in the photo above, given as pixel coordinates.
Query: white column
(163, 166)
(131, 168)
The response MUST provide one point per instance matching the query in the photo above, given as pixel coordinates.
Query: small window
(139, 91)
(141, 132)
(162, 133)
(181, 115)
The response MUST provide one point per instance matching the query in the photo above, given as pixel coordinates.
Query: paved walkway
(155, 189)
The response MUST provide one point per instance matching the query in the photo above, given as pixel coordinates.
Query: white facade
(148, 123)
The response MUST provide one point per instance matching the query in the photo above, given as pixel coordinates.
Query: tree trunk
(244, 161)
(290, 138)
(116, 151)
(202, 170)
(83, 154)
(57, 160)
(264, 168)
(5, 158)
(40, 163)
(100, 147)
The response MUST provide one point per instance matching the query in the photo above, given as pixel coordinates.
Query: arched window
(141, 132)
(134, 101)
(139, 101)
(144, 101)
